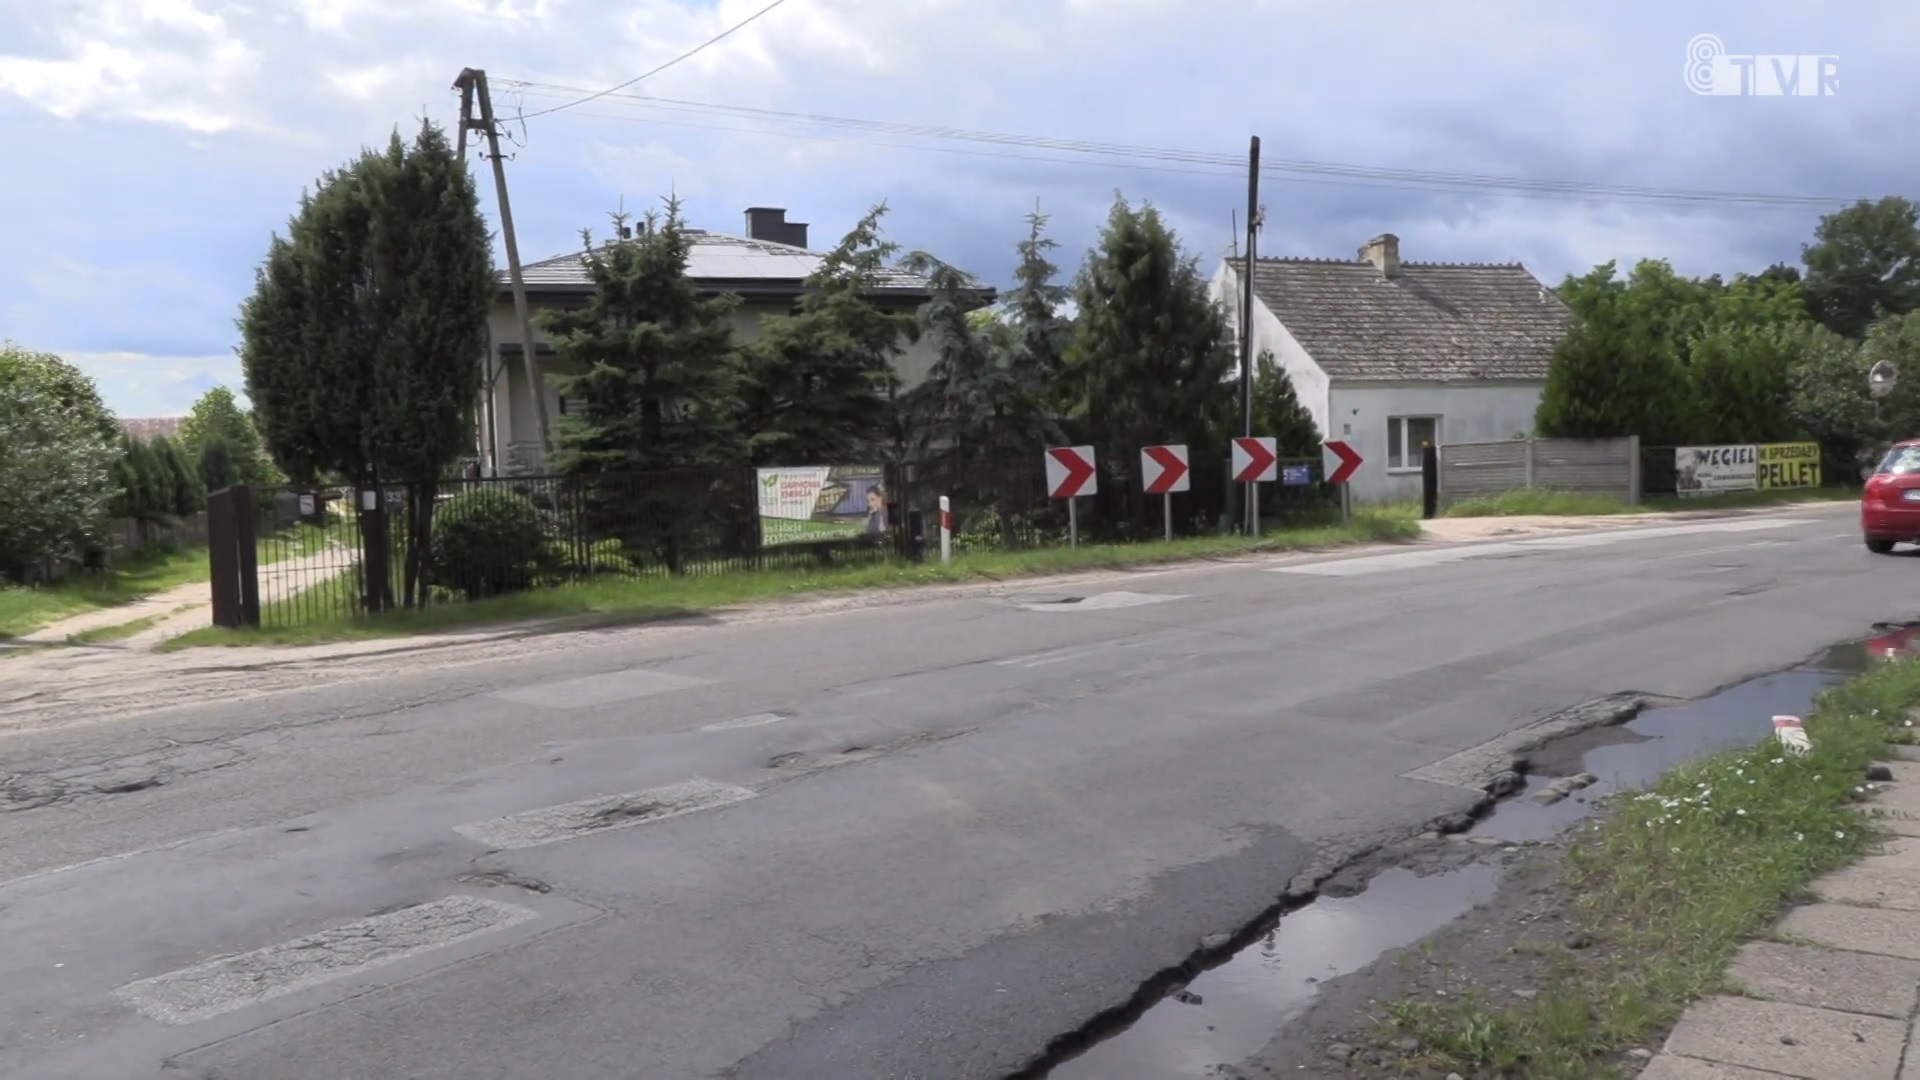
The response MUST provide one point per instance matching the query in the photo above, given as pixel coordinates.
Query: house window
(1405, 437)
(563, 405)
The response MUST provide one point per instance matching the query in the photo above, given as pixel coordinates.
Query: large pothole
(1240, 998)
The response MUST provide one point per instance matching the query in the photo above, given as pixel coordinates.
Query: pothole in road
(1250, 987)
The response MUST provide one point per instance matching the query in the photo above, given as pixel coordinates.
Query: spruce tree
(821, 384)
(655, 358)
(1151, 350)
(184, 492)
(655, 388)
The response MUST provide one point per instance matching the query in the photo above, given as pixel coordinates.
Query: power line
(1166, 159)
(695, 51)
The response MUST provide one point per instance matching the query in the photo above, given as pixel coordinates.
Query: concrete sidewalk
(1834, 997)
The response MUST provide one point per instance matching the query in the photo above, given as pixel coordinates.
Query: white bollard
(946, 531)
(1792, 735)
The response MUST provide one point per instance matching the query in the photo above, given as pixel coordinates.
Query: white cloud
(138, 385)
(199, 121)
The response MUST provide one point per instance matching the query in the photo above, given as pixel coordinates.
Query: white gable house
(1389, 355)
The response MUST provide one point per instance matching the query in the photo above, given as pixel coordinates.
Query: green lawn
(1671, 883)
(134, 576)
(627, 599)
(1539, 502)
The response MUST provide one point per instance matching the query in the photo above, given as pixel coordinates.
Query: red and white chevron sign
(1070, 472)
(1163, 470)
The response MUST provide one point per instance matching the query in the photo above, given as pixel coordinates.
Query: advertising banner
(1789, 465)
(810, 504)
(1711, 470)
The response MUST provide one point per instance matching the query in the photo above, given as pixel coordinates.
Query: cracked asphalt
(915, 837)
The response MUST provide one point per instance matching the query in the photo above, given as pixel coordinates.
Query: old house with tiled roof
(767, 268)
(1390, 355)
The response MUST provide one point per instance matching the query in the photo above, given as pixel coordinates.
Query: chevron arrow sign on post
(1070, 472)
(1255, 460)
(1339, 461)
(1163, 470)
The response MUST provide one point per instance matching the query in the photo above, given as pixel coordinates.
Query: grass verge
(1539, 502)
(667, 597)
(1672, 881)
(135, 576)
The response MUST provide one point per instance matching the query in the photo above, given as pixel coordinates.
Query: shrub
(603, 557)
(486, 543)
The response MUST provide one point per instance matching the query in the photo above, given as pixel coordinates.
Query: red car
(1890, 506)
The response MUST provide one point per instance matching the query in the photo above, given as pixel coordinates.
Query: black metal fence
(324, 553)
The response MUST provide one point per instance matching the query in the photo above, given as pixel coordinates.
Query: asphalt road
(920, 840)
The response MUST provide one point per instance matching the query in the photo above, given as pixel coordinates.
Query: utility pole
(489, 415)
(472, 84)
(1246, 316)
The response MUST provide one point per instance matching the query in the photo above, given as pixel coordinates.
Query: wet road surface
(921, 841)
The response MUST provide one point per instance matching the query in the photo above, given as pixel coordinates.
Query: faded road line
(551, 824)
(756, 720)
(1412, 560)
(588, 691)
(219, 986)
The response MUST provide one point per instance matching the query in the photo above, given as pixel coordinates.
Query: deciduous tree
(57, 449)
(1864, 262)
(217, 415)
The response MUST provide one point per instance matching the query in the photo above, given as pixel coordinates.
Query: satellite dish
(1880, 380)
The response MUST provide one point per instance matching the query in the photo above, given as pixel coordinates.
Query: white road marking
(756, 720)
(1106, 602)
(1718, 550)
(227, 983)
(588, 691)
(1409, 560)
(588, 817)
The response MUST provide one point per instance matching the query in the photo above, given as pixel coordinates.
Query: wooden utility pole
(1246, 319)
(472, 84)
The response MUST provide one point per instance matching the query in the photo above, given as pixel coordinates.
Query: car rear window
(1900, 461)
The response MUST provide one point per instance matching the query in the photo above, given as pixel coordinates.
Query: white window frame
(1399, 423)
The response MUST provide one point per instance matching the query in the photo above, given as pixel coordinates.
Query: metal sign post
(1073, 523)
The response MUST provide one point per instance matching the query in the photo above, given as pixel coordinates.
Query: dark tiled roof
(151, 427)
(723, 261)
(1433, 321)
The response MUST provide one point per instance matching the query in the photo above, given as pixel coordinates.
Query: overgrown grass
(1672, 881)
(1539, 502)
(1735, 500)
(134, 576)
(667, 597)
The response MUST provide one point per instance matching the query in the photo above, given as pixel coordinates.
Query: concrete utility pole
(1246, 315)
(490, 417)
(472, 84)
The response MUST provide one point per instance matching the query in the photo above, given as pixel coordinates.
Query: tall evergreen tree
(1151, 350)
(216, 464)
(655, 388)
(821, 384)
(185, 494)
(360, 338)
(1041, 336)
(1277, 411)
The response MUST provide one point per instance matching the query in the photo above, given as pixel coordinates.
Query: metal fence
(323, 553)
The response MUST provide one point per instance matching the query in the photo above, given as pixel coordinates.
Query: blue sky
(155, 145)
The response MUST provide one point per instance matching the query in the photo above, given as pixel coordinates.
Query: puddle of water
(1245, 1000)
(1737, 716)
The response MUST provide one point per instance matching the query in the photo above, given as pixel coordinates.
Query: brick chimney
(770, 224)
(1383, 252)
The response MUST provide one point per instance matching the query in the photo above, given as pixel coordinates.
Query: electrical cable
(696, 50)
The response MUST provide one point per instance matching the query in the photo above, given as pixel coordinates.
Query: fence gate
(233, 557)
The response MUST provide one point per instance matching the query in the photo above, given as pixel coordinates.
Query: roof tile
(1434, 321)
(716, 257)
